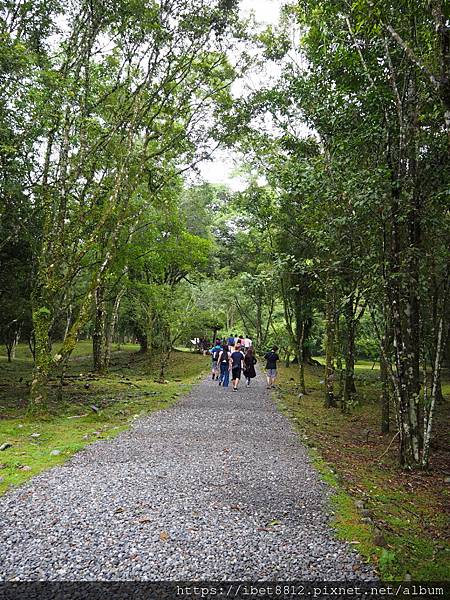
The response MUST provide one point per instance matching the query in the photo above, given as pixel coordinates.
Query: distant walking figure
(249, 365)
(215, 351)
(271, 366)
(224, 366)
(230, 342)
(237, 360)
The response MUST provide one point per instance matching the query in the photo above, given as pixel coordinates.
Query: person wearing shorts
(237, 361)
(271, 366)
(215, 351)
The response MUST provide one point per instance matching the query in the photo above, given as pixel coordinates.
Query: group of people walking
(235, 355)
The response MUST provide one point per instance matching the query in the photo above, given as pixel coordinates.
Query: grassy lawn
(396, 520)
(91, 407)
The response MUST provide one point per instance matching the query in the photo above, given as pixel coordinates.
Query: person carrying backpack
(271, 366)
(224, 363)
(215, 351)
(230, 343)
(249, 365)
(237, 361)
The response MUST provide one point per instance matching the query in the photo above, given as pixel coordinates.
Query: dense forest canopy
(338, 247)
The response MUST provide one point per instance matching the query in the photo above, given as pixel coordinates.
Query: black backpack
(216, 353)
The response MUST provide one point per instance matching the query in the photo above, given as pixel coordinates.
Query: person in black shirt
(271, 366)
(224, 363)
(249, 365)
(237, 360)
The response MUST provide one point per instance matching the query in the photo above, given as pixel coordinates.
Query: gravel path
(216, 487)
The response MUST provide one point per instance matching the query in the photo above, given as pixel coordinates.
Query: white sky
(220, 169)
(266, 11)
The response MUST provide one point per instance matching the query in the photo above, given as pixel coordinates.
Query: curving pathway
(216, 487)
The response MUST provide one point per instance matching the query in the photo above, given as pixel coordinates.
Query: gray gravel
(217, 487)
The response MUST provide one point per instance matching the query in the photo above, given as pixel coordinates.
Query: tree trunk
(12, 339)
(384, 398)
(32, 345)
(68, 320)
(14, 345)
(429, 410)
(339, 352)
(349, 375)
(406, 353)
(110, 328)
(165, 350)
(329, 353)
(64, 366)
(287, 360)
(259, 334)
(98, 337)
(439, 395)
(143, 343)
(43, 358)
(385, 353)
(300, 338)
(446, 351)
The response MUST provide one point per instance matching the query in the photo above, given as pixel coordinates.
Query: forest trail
(216, 487)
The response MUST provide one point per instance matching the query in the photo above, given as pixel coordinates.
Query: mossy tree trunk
(300, 339)
(385, 397)
(42, 319)
(110, 328)
(329, 350)
(98, 336)
(349, 355)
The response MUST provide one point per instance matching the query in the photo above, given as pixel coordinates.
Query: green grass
(347, 520)
(408, 509)
(83, 348)
(129, 391)
(362, 364)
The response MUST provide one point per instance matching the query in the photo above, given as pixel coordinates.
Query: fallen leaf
(164, 536)
(120, 509)
(25, 468)
(145, 520)
(272, 523)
